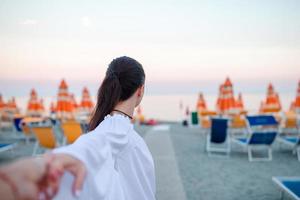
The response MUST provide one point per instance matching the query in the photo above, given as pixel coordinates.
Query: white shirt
(118, 162)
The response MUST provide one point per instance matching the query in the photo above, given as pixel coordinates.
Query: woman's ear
(141, 91)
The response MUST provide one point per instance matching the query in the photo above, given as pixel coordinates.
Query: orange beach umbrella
(2, 103)
(239, 104)
(272, 102)
(64, 109)
(34, 106)
(86, 104)
(226, 102)
(295, 105)
(12, 107)
(73, 102)
(201, 104)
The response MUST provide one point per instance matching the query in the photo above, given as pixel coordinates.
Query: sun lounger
(289, 186)
(71, 130)
(262, 131)
(45, 138)
(7, 146)
(218, 138)
(293, 142)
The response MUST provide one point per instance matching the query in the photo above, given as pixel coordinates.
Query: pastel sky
(176, 41)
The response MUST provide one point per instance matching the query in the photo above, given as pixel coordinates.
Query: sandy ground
(185, 171)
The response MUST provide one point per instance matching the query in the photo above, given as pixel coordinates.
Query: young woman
(116, 159)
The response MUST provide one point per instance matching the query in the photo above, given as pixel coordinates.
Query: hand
(64, 162)
(39, 177)
(31, 178)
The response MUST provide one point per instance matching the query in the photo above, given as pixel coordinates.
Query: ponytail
(108, 96)
(123, 77)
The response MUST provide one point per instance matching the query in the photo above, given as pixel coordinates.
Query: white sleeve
(93, 150)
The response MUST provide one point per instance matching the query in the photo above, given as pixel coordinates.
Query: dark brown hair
(123, 77)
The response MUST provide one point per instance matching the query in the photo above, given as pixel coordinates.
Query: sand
(185, 171)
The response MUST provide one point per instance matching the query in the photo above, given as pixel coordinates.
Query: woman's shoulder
(116, 130)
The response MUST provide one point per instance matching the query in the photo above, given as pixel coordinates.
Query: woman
(117, 161)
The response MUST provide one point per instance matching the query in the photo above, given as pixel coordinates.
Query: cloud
(29, 22)
(86, 21)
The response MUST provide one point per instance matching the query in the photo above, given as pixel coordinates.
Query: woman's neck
(126, 107)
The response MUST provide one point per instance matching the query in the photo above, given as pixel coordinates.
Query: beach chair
(17, 122)
(289, 186)
(205, 124)
(262, 131)
(71, 130)
(293, 142)
(27, 132)
(289, 125)
(45, 138)
(218, 139)
(18, 133)
(238, 125)
(7, 147)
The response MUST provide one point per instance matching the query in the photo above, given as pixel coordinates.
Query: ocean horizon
(167, 107)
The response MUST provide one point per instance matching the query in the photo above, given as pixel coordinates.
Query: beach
(185, 171)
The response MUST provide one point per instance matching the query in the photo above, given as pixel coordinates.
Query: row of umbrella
(10, 106)
(65, 106)
(227, 104)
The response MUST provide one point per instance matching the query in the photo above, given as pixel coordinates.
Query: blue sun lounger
(218, 139)
(288, 185)
(293, 142)
(262, 131)
(6, 146)
(17, 122)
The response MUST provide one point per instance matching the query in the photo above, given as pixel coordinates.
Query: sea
(167, 106)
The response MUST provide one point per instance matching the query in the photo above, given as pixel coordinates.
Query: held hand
(65, 162)
(29, 178)
(39, 177)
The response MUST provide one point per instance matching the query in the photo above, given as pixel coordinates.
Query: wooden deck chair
(71, 130)
(45, 138)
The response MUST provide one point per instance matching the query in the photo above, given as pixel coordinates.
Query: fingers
(64, 162)
(79, 174)
(49, 184)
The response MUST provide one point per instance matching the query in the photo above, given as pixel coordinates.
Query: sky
(183, 45)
